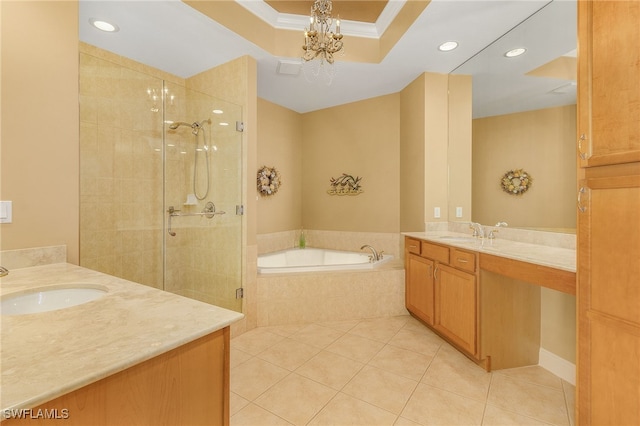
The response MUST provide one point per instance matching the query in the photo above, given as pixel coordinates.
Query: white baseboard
(558, 366)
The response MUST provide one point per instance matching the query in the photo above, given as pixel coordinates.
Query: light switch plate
(6, 211)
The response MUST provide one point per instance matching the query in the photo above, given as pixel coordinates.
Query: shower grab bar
(209, 212)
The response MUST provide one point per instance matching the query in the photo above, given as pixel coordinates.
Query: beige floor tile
(255, 376)
(424, 343)
(296, 399)
(236, 403)
(528, 399)
(381, 388)
(252, 415)
(289, 353)
(413, 324)
(494, 416)
(356, 347)
(346, 410)
(237, 357)
(317, 335)
(534, 374)
(381, 329)
(432, 406)
(570, 399)
(255, 341)
(409, 364)
(452, 371)
(285, 330)
(330, 369)
(344, 326)
(405, 422)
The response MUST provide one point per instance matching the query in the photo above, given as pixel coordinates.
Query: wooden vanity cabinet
(188, 385)
(608, 82)
(442, 291)
(419, 287)
(456, 295)
(608, 291)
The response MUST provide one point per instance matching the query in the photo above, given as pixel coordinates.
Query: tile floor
(387, 371)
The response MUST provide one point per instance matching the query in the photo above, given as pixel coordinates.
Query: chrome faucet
(375, 256)
(3, 271)
(478, 230)
(493, 231)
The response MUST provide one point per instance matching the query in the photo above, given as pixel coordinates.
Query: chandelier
(320, 41)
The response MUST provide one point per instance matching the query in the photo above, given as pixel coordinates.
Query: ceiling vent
(286, 67)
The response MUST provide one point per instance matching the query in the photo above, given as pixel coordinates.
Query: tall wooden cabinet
(608, 294)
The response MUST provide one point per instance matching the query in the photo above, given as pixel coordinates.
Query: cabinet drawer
(435, 252)
(463, 260)
(413, 245)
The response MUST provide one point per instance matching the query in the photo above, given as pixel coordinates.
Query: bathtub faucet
(375, 256)
(3, 271)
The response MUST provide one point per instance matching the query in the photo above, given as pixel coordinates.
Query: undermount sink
(458, 239)
(44, 299)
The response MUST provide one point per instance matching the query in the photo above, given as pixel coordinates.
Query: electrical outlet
(436, 212)
(458, 211)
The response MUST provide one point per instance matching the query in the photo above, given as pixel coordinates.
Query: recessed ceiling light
(515, 52)
(224, 124)
(104, 25)
(217, 111)
(447, 46)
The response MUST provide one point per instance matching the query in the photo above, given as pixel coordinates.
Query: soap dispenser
(302, 242)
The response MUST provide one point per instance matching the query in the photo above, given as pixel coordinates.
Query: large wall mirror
(524, 118)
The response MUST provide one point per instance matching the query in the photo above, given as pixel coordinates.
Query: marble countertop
(553, 257)
(49, 354)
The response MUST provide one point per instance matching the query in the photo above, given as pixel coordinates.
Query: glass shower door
(203, 186)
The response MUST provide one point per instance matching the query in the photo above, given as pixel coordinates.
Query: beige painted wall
(40, 139)
(541, 142)
(412, 133)
(280, 146)
(558, 323)
(459, 150)
(359, 139)
(436, 146)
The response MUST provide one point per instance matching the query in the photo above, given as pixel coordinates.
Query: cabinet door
(608, 82)
(609, 300)
(419, 287)
(456, 307)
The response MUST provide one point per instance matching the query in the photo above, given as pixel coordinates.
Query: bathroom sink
(50, 298)
(458, 239)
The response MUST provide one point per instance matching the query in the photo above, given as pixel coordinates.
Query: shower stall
(161, 181)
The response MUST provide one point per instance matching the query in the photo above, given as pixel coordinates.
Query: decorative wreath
(516, 182)
(268, 181)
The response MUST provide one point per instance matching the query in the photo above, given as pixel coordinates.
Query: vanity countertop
(554, 257)
(49, 354)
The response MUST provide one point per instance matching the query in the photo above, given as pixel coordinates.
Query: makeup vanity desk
(484, 296)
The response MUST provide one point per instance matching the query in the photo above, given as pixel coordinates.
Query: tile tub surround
(390, 243)
(49, 354)
(297, 298)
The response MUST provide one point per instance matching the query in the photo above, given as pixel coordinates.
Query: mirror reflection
(524, 120)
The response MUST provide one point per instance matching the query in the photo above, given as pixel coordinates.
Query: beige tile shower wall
(331, 296)
(121, 206)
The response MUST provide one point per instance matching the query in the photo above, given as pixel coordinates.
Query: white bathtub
(314, 260)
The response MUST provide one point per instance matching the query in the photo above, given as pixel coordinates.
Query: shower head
(198, 124)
